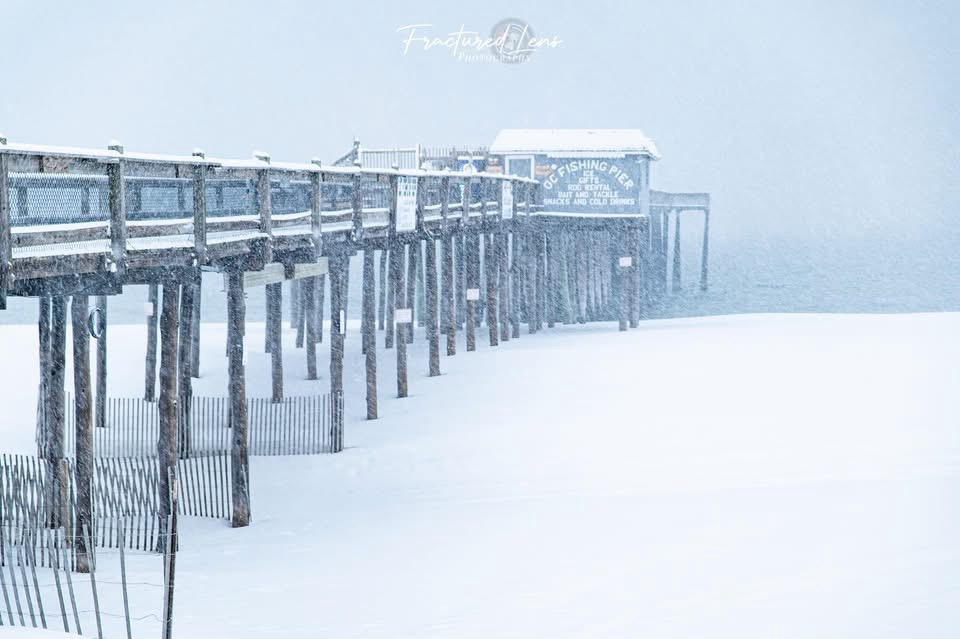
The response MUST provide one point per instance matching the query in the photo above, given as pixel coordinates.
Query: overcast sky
(823, 117)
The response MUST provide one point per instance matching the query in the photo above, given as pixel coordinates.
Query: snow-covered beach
(749, 476)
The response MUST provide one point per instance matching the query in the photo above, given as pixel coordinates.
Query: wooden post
(167, 437)
(54, 418)
(275, 321)
(433, 329)
(50, 449)
(664, 246)
(184, 378)
(589, 252)
(265, 207)
(579, 265)
(573, 279)
(382, 299)
(294, 303)
(309, 288)
(541, 299)
(365, 299)
(473, 282)
(101, 411)
(656, 249)
(490, 264)
(623, 279)
(703, 257)
(645, 268)
(316, 219)
(6, 241)
(503, 281)
(170, 560)
(118, 214)
(400, 329)
(267, 324)
(150, 379)
(200, 211)
(448, 307)
(462, 260)
(516, 279)
(550, 281)
(676, 253)
(83, 469)
(195, 329)
(301, 311)
(337, 265)
(635, 240)
(43, 421)
(321, 292)
(240, 464)
(530, 272)
(391, 284)
(370, 332)
(421, 289)
(413, 249)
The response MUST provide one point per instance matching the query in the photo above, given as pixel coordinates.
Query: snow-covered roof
(574, 142)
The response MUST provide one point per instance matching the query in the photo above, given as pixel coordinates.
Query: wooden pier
(454, 250)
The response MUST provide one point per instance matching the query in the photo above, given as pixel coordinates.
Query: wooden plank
(311, 269)
(271, 274)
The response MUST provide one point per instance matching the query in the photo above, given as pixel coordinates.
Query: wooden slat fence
(125, 495)
(40, 586)
(305, 425)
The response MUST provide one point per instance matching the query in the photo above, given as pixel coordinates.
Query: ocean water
(875, 275)
(787, 275)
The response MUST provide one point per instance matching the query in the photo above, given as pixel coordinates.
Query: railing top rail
(105, 156)
(258, 162)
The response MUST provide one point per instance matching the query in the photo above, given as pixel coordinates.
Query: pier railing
(69, 210)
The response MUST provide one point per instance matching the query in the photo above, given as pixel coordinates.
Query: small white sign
(148, 309)
(473, 294)
(343, 322)
(406, 204)
(626, 261)
(403, 316)
(506, 208)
